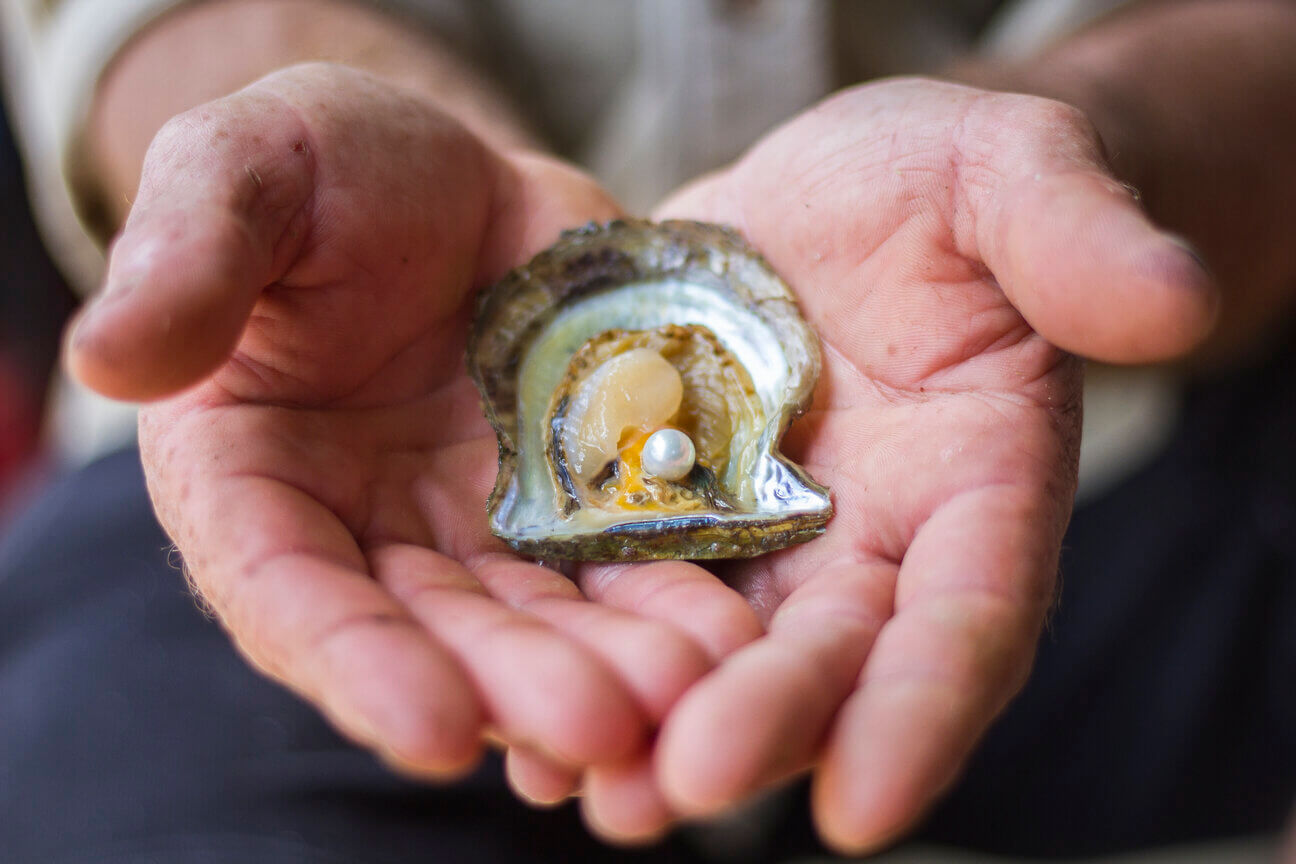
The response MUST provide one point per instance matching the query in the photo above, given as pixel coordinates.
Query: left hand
(950, 246)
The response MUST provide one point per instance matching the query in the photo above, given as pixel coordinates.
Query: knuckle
(1059, 119)
(178, 133)
(1053, 112)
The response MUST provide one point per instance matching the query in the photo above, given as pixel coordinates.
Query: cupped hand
(294, 286)
(951, 246)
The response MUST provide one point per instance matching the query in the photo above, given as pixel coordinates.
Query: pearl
(668, 454)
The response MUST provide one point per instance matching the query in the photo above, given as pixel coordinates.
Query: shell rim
(681, 537)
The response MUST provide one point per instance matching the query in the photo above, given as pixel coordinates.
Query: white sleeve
(54, 51)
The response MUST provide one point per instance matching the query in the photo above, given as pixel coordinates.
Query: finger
(275, 187)
(287, 581)
(1080, 260)
(536, 197)
(541, 688)
(681, 594)
(537, 779)
(218, 216)
(1025, 190)
(765, 712)
(655, 662)
(623, 804)
(712, 196)
(971, 599)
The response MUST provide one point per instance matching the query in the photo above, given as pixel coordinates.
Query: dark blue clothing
(130, 731)
(1161, 708)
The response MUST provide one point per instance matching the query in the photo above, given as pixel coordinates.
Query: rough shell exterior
(603, 258)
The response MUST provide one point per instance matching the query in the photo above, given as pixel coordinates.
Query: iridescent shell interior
(616, 333)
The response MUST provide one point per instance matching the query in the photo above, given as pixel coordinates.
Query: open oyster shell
(623, 329)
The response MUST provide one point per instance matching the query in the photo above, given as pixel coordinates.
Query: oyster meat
(639, 378)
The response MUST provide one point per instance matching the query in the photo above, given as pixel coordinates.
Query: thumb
(219, 215)
(1081, 261)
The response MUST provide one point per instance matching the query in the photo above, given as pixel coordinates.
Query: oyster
(639, 378)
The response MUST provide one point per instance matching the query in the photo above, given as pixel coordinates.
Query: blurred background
(34, 305)
(1227, 524)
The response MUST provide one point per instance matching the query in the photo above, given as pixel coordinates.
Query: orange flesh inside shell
(622, 387)
(631, 487)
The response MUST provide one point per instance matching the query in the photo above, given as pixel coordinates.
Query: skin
(324, 477)
(927, 616)
(298, 312)
(1192, 100)
(946, 425)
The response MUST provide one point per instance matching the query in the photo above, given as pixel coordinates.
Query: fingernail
(359, 727)
(77, 338)
(116, 289)
(112, 293)
(81, 330)
(1183, 243)
(398, 764)
(543, 803)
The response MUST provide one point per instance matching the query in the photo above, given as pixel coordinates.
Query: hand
(949, 245)
(295, 283)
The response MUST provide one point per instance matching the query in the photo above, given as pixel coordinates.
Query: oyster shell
(620, 331)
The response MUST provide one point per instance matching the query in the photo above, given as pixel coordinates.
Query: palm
(903, 426)
(325, 480)
(950, 457)
(915, 220)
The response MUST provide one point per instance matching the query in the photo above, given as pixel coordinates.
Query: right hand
(294, 286)
(949, 245)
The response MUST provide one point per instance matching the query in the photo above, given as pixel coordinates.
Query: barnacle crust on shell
(622, 330)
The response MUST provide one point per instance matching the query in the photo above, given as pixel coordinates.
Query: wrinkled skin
(325, 481)
(915, 219)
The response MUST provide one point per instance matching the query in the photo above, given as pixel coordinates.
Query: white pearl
(668, 454)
